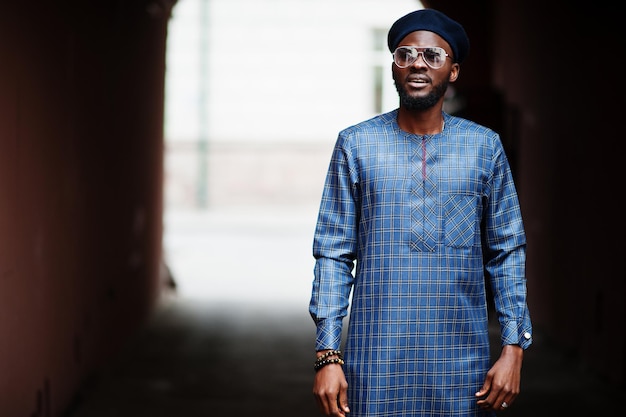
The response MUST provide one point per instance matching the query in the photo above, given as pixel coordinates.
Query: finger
(483, 396)
(342, 402)
(484, 404)
(498, 396)
(325, 404)
(332, 401)
(501, 400)
(490, 402)
(484, 390)
(331, 405)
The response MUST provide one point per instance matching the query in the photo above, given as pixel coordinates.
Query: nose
(420, 61)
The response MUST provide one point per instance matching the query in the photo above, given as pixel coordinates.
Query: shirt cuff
(514, 333)
(328, 334)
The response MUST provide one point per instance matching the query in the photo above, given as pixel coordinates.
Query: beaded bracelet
(327, 354)
(319, 365)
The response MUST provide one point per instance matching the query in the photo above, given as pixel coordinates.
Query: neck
(421, 123)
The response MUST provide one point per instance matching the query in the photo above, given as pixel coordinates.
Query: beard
(421, 103)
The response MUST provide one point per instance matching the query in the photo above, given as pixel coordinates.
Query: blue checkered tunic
(427, 220)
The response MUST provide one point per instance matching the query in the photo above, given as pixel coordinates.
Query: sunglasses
(433, 56)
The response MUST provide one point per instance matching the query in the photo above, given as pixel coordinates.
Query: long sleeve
(334, 248)
(505, 254)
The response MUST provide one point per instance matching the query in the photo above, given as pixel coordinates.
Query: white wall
(276, 69)
(269, 74)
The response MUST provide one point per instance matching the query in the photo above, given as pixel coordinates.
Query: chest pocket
(461, 220)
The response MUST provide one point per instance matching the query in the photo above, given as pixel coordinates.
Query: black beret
(433, 21)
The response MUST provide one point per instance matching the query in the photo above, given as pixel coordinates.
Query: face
(419, 86)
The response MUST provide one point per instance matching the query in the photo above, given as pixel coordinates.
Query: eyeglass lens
(434, 56)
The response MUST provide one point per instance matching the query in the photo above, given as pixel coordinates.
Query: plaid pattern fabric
(405, 224)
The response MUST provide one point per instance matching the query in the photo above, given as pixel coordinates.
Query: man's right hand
(330, 389)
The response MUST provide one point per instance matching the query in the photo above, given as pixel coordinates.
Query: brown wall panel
(81, 154)
(560, 110)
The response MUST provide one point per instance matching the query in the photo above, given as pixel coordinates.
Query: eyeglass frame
(420, 51)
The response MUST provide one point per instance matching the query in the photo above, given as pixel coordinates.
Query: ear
(454, 72)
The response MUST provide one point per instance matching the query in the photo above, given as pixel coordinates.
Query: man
(424, 204)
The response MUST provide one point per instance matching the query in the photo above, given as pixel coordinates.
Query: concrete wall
(81, 155)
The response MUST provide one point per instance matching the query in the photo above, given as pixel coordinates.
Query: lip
(418, 80)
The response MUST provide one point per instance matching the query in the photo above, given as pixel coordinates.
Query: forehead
(424, 38)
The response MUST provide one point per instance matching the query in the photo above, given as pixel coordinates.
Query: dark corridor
(198, 360)
(81, 218)
(200, 357)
